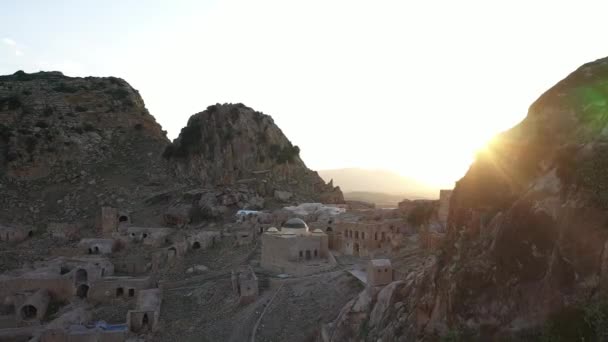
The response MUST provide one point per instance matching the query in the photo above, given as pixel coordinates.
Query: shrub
(212, 109)
(283, 155)
(118, 93)
(64, 88)
(5, 132)
(30, 144)
(12, 102)
(42, 124)
(48, 111)
(420, 214)
(80, 109)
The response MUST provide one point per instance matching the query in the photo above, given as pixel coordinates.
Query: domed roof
(317, 231)
(272, 230)
(295, 223)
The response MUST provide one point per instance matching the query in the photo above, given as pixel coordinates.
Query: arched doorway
(356, 249)
(81, 276)
(28, 312)
(196, 245)
(82, 291)
(123, 218)
(145, 322)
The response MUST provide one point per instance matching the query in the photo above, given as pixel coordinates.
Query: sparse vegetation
(118, 93)
(80, 108)
(591, 173)
(48, 111)
(65, 88)
(284, 155)
(11, 102)
(420, 214)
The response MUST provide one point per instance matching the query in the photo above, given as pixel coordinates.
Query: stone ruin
(245, 284)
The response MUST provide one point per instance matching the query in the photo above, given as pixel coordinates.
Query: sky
(414, 87)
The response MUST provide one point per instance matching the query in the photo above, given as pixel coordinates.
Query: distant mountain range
(377, 186)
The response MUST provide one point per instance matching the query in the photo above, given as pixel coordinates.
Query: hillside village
(111, 232)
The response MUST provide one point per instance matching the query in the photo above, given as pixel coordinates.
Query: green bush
(283, 155)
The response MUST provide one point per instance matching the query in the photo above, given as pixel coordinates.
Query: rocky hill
(70, 145)
(233, 144)
(526, 252)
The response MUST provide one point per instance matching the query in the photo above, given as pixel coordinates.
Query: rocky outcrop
(525, 252)
(233, 144)
(70, 145)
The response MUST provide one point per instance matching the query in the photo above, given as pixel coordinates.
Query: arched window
(376, 236)
(120, 291)
(362, 235)
(356, 235)
(301, 254)
(316, 254)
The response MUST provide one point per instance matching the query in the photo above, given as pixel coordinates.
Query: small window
(131, 292)
(363, 236)
(145, 235)
(386, 270)
(356, 235)
(301, 254)
(316, 253)
(376, 236)
(119, 292)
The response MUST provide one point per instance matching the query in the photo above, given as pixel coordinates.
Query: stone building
(245, 285)
(364, 238)
(63, 230)
(97, 246)
(292, 247)
(109, 289)
(111, 219)
(146, 315)
(14, 234)
(34, 306)
(379, 272)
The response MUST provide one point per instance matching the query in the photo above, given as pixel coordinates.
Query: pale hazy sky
(410, 86)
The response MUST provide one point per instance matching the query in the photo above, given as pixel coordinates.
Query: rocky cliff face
(526, 252)
(232, 144)
(70, 145)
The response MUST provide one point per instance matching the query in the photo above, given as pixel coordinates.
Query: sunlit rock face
(527, 229)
